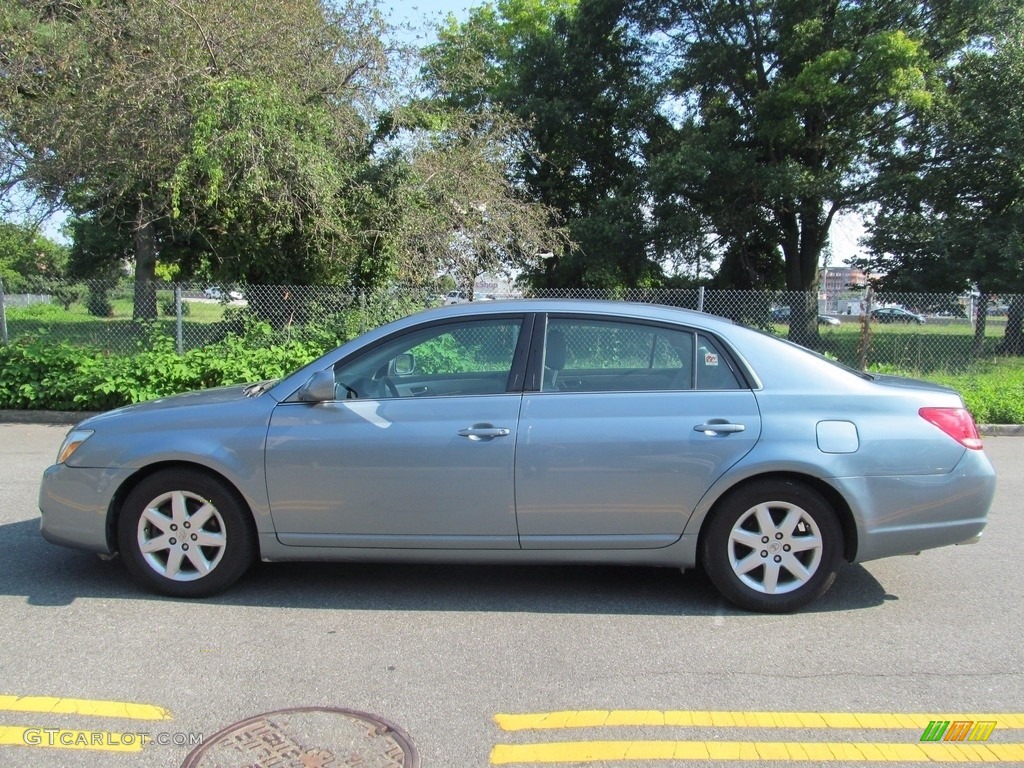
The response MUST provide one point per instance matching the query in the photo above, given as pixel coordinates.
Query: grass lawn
(203, 322)
(993, 389)
(941, 344)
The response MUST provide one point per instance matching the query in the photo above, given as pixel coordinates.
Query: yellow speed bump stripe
(824, 752)
(55, 706)
(725, 719)
(61, 738)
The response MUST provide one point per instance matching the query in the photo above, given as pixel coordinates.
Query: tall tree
(576, 74)
(783, 110)
(106, 107)
(453, 210)
(950, 215)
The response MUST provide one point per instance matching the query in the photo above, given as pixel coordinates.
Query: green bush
(168, 308)
(993, 391)
(98, 304)
(66, 295)
(42, 375)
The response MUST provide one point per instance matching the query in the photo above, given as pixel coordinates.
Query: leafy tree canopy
(950, 212)
(27, 256)
(576, 76)
(236, 141)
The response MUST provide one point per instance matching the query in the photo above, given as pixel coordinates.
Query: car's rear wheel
(773, 546)
(183, 533)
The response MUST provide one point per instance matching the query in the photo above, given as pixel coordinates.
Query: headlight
(72, 442)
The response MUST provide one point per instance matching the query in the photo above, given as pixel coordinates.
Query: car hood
(217, 428)
(205, 397)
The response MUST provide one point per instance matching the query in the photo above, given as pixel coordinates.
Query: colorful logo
(958, 730)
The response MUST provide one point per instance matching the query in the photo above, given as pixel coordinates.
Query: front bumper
(75, 502)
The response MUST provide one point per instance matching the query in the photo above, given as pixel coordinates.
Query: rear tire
(772, 546)
(184, 533)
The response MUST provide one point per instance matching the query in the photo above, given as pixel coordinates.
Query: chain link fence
(119, 317)
(910, 332)
(905, 331)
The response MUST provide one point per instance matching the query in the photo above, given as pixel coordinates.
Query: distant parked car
(456, 297)
(213, 292)
(782, 315)
(896, 315)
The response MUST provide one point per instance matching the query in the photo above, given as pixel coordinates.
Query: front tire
(773, 546)
(183, 533)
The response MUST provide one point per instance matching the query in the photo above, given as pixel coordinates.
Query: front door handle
(719, 427)
(484, 432)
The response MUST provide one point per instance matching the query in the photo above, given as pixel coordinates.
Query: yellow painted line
(723, 719)
(823, 752)
(61, 738)
(55, 706)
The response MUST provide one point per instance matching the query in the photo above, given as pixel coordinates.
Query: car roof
(637, 310)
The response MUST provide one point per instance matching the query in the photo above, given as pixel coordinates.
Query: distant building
(833, 281)
(491, 286)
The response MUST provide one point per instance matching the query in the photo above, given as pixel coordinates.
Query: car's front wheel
(184, 533)
(772, 546)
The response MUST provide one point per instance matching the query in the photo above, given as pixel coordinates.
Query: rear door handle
(484, 433)
(716, 427)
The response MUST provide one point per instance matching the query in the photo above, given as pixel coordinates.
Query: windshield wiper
(257, 389)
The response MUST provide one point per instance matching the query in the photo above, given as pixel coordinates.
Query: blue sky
(423, 13)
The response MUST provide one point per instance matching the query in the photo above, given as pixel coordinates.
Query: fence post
(700, 298)
(177, 314)
(864, 343)
(3, 314)
(362, 312)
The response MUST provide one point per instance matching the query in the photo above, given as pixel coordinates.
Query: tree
(576, 76)
(455, 211)
(951, 213)
(784, 109)
(118, 110)
(267, 174)
(27, 256)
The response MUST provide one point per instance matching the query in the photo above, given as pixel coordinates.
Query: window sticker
(710, 358)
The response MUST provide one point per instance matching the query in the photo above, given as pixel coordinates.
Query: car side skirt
(681, 554)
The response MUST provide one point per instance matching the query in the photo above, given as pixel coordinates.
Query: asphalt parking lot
(503, 666)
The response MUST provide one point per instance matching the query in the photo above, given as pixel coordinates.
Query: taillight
(955, 422)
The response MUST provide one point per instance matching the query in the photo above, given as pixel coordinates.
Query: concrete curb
(1001, 430)
(73, 417)
(44, 417)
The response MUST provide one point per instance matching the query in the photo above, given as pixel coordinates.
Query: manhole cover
(307, 737)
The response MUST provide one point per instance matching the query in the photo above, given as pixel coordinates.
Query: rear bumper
(911, 513)
(972, 540)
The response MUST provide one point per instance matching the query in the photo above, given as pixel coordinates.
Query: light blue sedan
(533, 432)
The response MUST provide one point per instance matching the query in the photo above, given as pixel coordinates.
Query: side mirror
(319, 388)
(404, 364)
